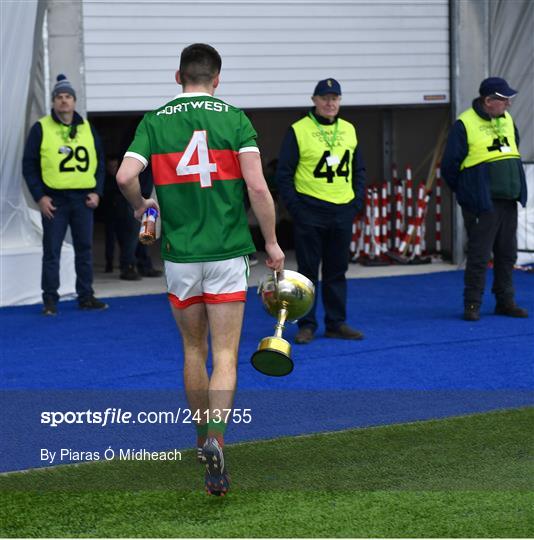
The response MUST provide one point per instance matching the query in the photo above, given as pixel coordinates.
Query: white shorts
(213, 282)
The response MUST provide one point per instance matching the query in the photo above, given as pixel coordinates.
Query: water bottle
(147, 234)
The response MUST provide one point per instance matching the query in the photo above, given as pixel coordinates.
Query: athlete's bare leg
(225, 323)
(193, 324)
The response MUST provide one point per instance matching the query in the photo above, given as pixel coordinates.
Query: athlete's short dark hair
(199, 64)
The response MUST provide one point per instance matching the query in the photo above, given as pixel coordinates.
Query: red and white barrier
(399, 212)
(438, 209)
(385, 218)
(392, 225)
(422, 205)
(409, 207)
(367, 228)
(389, 216)
(356, 244)
(377, 240)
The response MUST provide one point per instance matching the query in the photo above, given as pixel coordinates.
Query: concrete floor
(109, 285)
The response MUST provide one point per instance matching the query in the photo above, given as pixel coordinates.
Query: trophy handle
(276, 276)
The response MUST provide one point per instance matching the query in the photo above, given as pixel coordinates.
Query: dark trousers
(108, 206)
(121, 224)
(491, 232)
(127, 231)
(144, 261)
(327, 243)
(72, 211)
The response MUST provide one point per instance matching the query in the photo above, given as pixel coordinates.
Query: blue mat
(419, 360)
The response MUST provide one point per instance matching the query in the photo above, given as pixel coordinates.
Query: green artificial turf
(470, 476)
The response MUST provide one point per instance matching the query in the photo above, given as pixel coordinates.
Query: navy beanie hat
(63, 86)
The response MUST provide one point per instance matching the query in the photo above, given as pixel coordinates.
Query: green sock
(216, 429)
(202, 434)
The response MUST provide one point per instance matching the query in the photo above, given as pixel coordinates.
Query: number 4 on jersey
(198, 142)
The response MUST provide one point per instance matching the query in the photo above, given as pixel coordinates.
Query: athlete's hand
(46, 206)
(92, 200)
(147, 203)
(275, 257)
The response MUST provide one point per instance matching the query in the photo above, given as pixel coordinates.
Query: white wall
(382, 51)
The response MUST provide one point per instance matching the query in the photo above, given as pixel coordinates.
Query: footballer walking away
(204, 154)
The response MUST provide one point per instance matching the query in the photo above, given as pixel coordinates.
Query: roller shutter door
(383, 52)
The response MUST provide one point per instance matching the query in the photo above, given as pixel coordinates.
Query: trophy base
(272, 357)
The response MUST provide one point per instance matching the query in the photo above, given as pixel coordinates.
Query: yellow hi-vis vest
(323, 172)
(67, 163)
(487, 140)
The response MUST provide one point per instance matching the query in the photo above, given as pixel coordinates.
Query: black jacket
(31, 162)
(472, 185)
(305, 208)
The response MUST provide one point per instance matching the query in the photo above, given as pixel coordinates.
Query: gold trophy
(288, 296)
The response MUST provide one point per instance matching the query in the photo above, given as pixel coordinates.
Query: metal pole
(469, 54)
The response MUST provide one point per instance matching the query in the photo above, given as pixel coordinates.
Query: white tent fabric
(525, 222)
(20, 229)
(511, 55)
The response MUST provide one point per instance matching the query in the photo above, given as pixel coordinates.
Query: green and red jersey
(193, 144)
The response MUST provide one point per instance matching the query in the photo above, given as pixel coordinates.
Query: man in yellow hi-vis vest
(321, 179)
(482, 165)
(63, 165)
